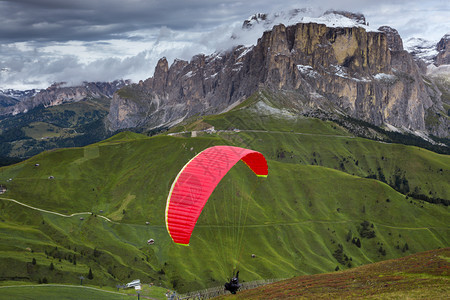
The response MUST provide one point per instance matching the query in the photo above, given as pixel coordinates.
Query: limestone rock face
(364, 74)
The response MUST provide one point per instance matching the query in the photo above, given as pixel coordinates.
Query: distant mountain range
(16, 102)
(59, 116)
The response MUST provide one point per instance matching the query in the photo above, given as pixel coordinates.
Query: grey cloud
(31, 69)
(105, 19)
(50, 4)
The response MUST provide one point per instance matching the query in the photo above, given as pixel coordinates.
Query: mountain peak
(256, 18)
(421, 49)
(331, 18)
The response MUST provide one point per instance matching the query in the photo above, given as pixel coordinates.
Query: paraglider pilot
(233, 285)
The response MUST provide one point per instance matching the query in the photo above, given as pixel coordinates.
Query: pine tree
(90, 275)
(52, 267)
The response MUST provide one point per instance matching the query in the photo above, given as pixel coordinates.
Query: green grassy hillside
(76, 292)
(45, 292)
(286, 137)
(316, 211)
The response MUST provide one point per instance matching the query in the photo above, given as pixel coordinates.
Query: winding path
(55, 213)
(218, 226)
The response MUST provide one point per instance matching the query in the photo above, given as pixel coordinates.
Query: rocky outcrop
(256, 18)
(58, 94)
(365, 74)
(358, 17)
(206, 84)
(443, 48)
(394, 40)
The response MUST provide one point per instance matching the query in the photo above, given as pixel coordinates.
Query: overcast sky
(45, 41)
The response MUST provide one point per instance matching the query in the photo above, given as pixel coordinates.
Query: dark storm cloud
(52, 20)
(87, 20)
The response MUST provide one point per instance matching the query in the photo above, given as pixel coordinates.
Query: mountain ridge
(372, 79)
(405, 96)
(57, 94)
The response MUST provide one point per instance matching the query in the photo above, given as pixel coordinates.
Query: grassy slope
(54, 291)
(311, 141)
(45, 292)
(424, 275)
(296, 220)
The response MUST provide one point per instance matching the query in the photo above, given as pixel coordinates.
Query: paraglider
(233, 285)
(196, 181)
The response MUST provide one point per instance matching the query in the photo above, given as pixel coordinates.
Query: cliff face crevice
(365, 74)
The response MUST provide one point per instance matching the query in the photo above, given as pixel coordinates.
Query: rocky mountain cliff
(351, 70)
(16, 103)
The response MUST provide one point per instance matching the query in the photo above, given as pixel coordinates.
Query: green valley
(44, 128)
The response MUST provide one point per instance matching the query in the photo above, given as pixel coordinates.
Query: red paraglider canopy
(196, 181)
